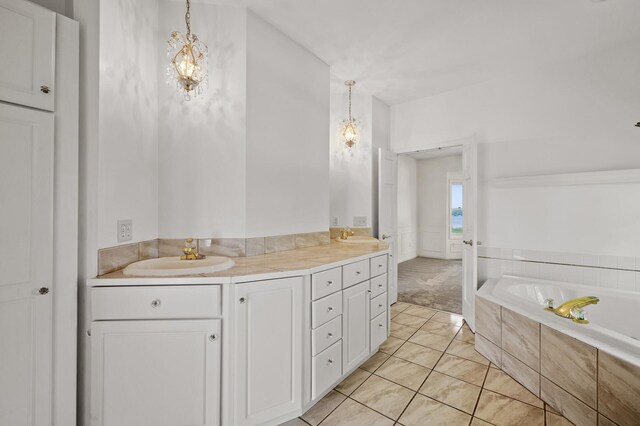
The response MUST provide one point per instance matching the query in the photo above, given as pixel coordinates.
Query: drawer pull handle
(358, 272)
(329, 335)
(380, 306)
(329, 361)
(329, 283)
(379, 285)
(329, 309)
(155, 303)
(213, 337)
(380, 325)
(369, 291)
(43, 290)
(242, 300)
(379, 266)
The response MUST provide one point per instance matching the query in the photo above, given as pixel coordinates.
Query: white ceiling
(400, 50)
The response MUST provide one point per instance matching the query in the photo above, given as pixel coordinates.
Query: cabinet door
(26, 265)
(355, 325)
(269, 349)
(27, 49)
(155, 373)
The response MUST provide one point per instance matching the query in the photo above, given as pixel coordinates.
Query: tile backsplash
(620, 272)
(115, 258)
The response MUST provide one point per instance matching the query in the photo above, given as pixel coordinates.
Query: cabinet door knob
(379, 285)
(329, 309)
(329, 282)
(358, 272)
(329, 335)
(44, 89)
(242, 300)
(329, 361)
(380, 325)
(155, 303)
(213, 337)
(379, 266)
(43, 290)
(380, 306)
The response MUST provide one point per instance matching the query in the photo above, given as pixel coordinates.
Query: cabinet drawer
(326, 369)
(325, 283)
(150, 302)
(355, 273)
(326, 335)
(378, 330)
(326, 309)
(378, 265)
(378, 305)
(378, 285)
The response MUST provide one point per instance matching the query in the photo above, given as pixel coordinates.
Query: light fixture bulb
(349, 130)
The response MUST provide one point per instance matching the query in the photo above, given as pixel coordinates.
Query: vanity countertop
(267, 266)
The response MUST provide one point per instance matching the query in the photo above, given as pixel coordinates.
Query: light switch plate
(359, 221)
(125, 230)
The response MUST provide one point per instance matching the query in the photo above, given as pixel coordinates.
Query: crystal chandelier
(349, 129)
(187, 68)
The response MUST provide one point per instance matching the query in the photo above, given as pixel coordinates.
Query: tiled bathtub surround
(115, 258)
(619, 272)
(579, 381)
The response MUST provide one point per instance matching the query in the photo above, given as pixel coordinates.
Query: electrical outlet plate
(125, 230)
(359, 221)
(335, 221)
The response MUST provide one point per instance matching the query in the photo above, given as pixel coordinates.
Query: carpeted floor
(433, 283)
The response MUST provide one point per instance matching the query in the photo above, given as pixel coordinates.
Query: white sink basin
(358, 240)
(173, 266)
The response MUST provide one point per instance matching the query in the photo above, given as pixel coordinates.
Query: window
(455, 220)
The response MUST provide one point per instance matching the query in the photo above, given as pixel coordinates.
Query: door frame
(449, 144)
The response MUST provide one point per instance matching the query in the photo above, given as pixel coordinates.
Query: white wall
(63, 7)
(287, 112)
(351, 170)
(380, 138)
(407, 208)
(577, 115)
(433, 238)
(128, 126)
(202, 142)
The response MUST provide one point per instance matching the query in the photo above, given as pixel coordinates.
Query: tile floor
(428, 373)
(434, 283)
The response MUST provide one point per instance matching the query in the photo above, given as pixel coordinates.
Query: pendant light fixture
(349, 131)
(188, 60)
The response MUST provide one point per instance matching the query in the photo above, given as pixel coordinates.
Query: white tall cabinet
(27, 46)
(268, 352)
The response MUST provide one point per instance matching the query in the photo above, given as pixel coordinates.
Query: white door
(269, 349)
(387, 212)
(469, 231)
(155, 373)
(27, 49)
(26, 265)
(355, 325)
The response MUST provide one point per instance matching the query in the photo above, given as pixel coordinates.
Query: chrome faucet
(346, 233)
(572, 309)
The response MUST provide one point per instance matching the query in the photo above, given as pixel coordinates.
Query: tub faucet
(572, 309)
(346, 233)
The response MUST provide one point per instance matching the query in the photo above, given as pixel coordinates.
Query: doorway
(430, 228)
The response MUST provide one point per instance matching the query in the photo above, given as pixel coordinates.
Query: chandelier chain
(350, 119)
(187, 19)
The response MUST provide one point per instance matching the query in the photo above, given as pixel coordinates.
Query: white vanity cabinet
(355, 326)
(149, 365)
(268, 354)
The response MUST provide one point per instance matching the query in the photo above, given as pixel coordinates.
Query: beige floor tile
(556, 420)
(453, 392)
(351, 413)
(383, 396)
(494, 366)
(409, 320)
(323, 408)
(418, 354)
(462, 369)
(400, 306)
(401, 331)
(426, 411)
(466, 351)
(403, 372)
(420, 311)
(477, 422)
(435, 327)
(391, 345)
(430, 340)
(294, 422)
(448, 318)
(500, 382)
(465, 334)
(355, 379)
(549, 408)
(500, 410)
(375, 361)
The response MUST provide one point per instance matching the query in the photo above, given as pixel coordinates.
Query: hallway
(434, 283)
